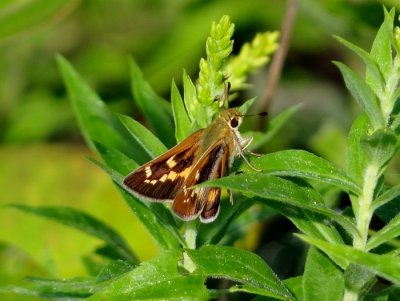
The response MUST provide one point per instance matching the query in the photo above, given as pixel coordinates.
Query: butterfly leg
(249, 164)
(230, 196)
(246, 142)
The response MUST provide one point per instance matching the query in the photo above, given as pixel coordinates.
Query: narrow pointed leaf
(181, 118)
(96, 121)
(150, 143)
(281, 190)
(381, 50)
(386, 266)
(114, 269)
(374, 76)
(20, 16)
(299, 163)
(246, 106)
(254, 275)
(379, 147)
(73, 289)
(323, 280)
(386, 197)
(116, 159)
(274, 126)
(363, 94)
(154, 108)
(356, 161)
(157, 279)
(85, 223)
(390, 231)
(155, 217)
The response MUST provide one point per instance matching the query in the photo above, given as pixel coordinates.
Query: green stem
(392, 82)
(350, 295)
(190, 238)
(191, 234)
(365, 210)
(363, 217)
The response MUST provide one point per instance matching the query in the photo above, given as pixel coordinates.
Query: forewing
(192, 202)
(162, 178)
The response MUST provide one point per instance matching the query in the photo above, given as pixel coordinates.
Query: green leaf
(390, 231)
(302, 164)
(85, 223)
(114, 269)
(181, 118)
(155, 217)
(150, 143)
(386, 197)
(356, 162)
(374, 77)
(254, 275)
(379, 147)
(281, 190)
(192, 105)
(57, 288)
(246, 106)
(96, 122)
(311, 226)
(213, 233)
(157, 279)
(294, 284)
(363, 94)
(386, 266)
(274, 126)
(359, 279)
(381, 50)
(154, 108)
(388, 211)
(115, 158)
(322, 279)
(19, 16)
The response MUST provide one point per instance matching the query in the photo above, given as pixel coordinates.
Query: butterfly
(205, 155)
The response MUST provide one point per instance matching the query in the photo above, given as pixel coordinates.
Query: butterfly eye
(234, 122)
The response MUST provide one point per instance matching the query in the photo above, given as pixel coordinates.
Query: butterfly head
(232, 117)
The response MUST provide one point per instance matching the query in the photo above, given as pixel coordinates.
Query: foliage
(346, 259)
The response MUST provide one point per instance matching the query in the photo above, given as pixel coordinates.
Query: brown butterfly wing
(162, 178)
(190, 203)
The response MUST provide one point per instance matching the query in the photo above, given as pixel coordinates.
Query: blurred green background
(43, 159)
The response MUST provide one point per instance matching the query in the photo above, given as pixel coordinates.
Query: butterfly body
(206, 154)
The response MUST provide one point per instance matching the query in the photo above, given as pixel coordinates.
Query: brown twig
(275, 71)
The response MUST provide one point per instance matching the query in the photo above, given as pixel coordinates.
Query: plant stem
(190, 238)
(350, 295)
(365, 211)
(363, 217)
(392, 82)
(191, 234)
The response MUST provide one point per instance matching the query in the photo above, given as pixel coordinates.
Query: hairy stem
(363, 217)
(388, 102)
(365, 210)
(350, 296)
(190, 238)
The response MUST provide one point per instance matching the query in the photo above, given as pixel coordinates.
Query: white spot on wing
(172, 175)
(171, 162)
(148, 172)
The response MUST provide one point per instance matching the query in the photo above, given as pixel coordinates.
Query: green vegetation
(341, 194)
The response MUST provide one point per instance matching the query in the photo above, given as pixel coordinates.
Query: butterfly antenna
(226, 94)
(258, 114)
